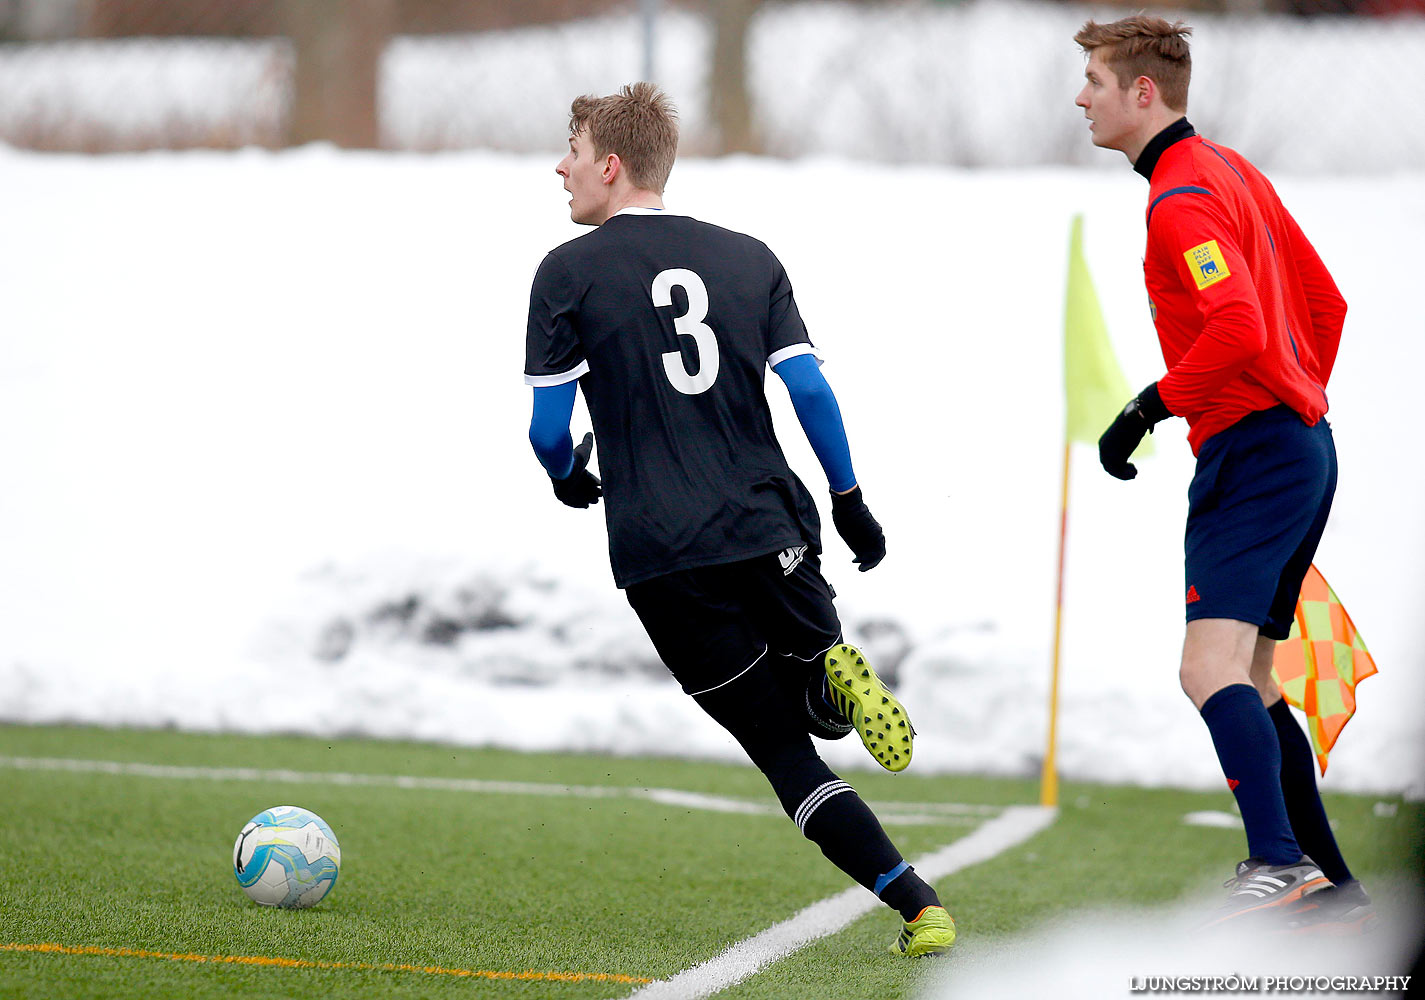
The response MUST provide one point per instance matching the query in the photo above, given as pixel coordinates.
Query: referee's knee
(1217, 652)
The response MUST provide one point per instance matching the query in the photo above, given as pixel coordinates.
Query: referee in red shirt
(1249, 321)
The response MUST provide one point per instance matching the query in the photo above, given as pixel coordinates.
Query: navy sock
(1303, 800)
(1251, 758)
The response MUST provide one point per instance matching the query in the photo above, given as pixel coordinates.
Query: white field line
(892, 813)
(1014, 825)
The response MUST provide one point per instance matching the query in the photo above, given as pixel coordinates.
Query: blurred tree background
(117, 75)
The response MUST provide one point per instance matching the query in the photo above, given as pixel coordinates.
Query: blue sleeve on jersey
(549, 427)
(820, 417)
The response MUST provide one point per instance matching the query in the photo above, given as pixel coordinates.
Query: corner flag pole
(1094, 390)
(1049, 777)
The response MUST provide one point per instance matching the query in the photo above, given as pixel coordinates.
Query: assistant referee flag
(1319, 666)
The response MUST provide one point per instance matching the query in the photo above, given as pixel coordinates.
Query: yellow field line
(50, 948)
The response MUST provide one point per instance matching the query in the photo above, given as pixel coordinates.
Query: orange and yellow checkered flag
(1319, 666)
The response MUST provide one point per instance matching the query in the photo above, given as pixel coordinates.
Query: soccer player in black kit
(669, 324)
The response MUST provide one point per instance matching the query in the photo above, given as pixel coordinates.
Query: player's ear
(612, 166)
(1143, 90)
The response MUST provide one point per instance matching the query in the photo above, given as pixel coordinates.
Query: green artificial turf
(498, 884)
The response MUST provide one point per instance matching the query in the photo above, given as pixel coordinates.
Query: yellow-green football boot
(929, 935)
(879, 717)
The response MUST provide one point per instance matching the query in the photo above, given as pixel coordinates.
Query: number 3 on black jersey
(690, 324)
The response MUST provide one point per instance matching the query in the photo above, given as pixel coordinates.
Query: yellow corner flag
(1094, 387)
(1319, 666)
(1095, 392)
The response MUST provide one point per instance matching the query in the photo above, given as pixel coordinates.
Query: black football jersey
(670, 324)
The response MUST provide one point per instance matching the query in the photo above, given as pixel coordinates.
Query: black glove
(581, 487)
(858, 529)
(1122, 437)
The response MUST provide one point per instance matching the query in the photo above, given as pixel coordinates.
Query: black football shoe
(1342, 910)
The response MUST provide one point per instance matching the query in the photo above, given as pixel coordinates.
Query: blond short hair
(1143, 45)
(639, 124)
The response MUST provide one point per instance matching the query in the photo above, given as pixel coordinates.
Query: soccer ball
(286, 856)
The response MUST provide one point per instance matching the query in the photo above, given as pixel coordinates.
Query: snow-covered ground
(1103, 954)
(263, 462)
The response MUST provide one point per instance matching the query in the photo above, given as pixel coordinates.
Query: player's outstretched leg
(929, 935)
(879, 717)
(764, 719)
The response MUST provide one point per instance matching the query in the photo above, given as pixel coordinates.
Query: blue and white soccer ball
(286, 856)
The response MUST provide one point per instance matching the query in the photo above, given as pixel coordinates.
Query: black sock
(907, 892)
(826, 809)
(1251, 759)
(835, 819)
(1303, 800)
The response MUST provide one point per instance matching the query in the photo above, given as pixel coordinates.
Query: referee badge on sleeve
(1206, 264)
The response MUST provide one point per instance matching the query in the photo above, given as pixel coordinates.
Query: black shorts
(713, 624)
(1257, 507)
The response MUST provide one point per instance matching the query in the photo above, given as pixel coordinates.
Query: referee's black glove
(581, 487)
(1122, 437)
(858, 529)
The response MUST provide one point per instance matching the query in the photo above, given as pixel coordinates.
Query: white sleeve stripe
(582, 368)
(777, 357)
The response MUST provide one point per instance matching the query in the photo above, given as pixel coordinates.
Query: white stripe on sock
(812, 802)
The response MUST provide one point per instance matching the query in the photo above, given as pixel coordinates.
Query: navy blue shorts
(1256, 509)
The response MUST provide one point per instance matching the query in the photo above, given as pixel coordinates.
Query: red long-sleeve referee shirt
(1247, 315)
